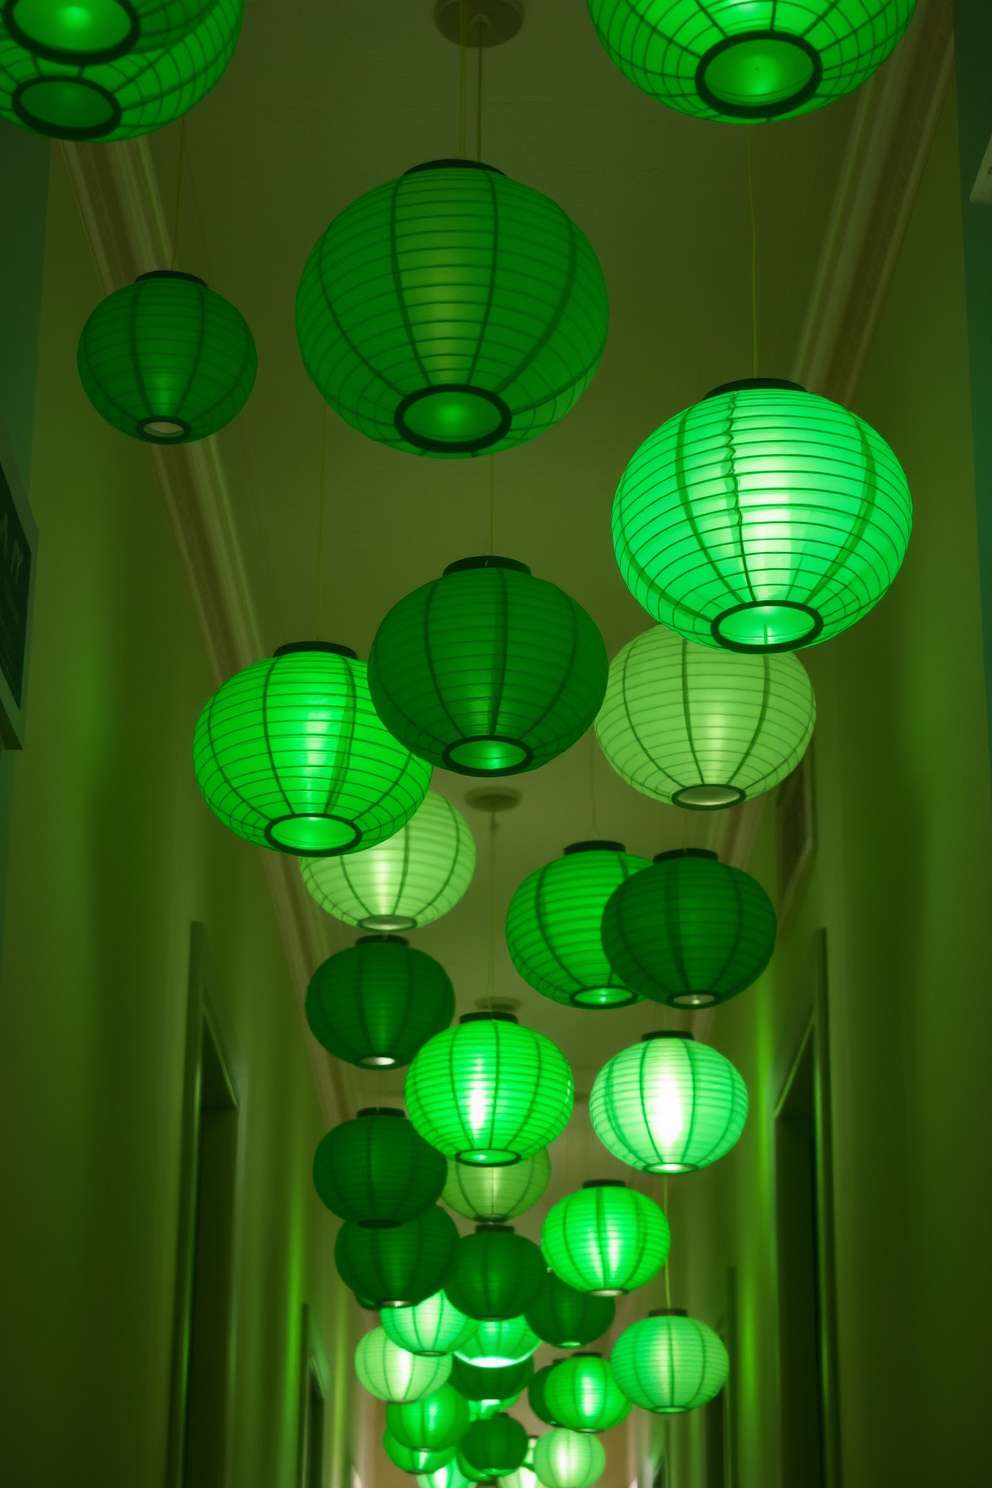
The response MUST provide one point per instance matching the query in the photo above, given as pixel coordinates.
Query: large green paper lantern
(606, 1239)
(496, 1194)
(582, 1394)
(690, 931)
(434, 1326)
(489, 1092)
(88, 31)
(537, 1396)
(452, 311)
(449, 1476)
(749, 63)
(488, 670)
(400, 1266)
(391, 1373)
(567, 1318)
(700, 728)
(669, 1363)
(553, 926)
(290, 754)
(431, 1423)
(415, 1459)
(497, 1343)
(379, 1001)
(762, 519)
(406, 882)
(497, 1382)
(495, 1447)
(568, 1459)
(495, 1274)
(377, 1170)
(668, 1104)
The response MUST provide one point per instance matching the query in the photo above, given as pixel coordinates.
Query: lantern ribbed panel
(553, 927)
(606, 1239)
(449, 1476)
(488, 670)
(495, 1447)
(495, 1275)
(701, 728)
(121, 99)
(400, 1266)
(536, 1398)
(498, 1343)
(489, 1091)
(669, 1364)
(756, 516)
(376, 1003)
(496, 1194)
(391, 1373)
(567, 1318)
(377, 1170)
(582, 1395)
(491, 1383)
(410, 880)
(456, 278)
(415, 1459)
(434, 1326)
(668, 1105)
(89, 31)
(690, 931)
(568, 1459)
(431, 1423)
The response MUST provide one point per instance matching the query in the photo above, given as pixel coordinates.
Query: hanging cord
(592, 782)
(320, 524)
(754, 249)
(668, 1262)
(491, 970)
(492, 502)
(462, 78)
(179, 193)
(478, 98)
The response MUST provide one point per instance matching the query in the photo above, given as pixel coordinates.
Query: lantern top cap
(668, 1312)
(685, 852)
(382, 940)
(382, 1111)
(743, 384)
(328, 646)
(587, 1354)
(485, 560)
(171, 274)
(604, 1183)
(598, 846)
(681, 1033)
(488, 1226)
(454, 165)
(488, 1017)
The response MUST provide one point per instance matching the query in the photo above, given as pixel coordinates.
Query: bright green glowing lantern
(764, 518)
(452, 311)
(415, 1459)
(397, 1267)
(449, 1476)
(377, 1171)
(496, 1447)
(690, 931)
(434, 1326)
(120, 99)
(431, 1423)
(408, 881)
(582, 1394)
(482, 1410)
(506, 1341)
(496, 1194)
(668, 1104)
(568, 1459)
(753, 62)
(525, 1476)
(567, 1318)
(669, 1363)
(88, 31)
(496, 1382)
(606, 1239)
(489, 1092)
(495, 1274)
(488, 670)
(553, 926)
(702, 728)
(289, 754)
(537, 1396)
(166, 359)
(391, 1373)
(379, 1001)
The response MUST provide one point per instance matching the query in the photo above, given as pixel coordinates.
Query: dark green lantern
(690, 931)
(495, 1274)
(537, 1396)
(378, 1171)
(399, 1266)
(415, 1459)
(488, 670)
(376, 1003)
(495, 1447)
(567, 1318)
(582, 1394)
(431, 1423)
(491, 1383)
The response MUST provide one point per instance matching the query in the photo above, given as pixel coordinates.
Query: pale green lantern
(393, 1373)
(568, 1459)
(496, 1194)
(432, 1327)
(495, 1344)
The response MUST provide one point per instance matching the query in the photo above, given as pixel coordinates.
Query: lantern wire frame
(606, 1238)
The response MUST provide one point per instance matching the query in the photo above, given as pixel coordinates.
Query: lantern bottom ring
(763, 626)
(602, 999)
(759, 74)
(708, 797)
(377, 1061)
(488, 754)
(487, 1157)
(71, 108)
(313, 834)
(452, 418)
(387, 923)
(693, 999)
(163, 428)
(671, 1167)
(609, 1292)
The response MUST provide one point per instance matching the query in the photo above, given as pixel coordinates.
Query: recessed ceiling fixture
(379, 1001)
(606, 1239)
(377, 1171)
(392, 1373)
(582, 1394)
(397, 1267)
(568, 1459)
(669, 1363)
(88, 31)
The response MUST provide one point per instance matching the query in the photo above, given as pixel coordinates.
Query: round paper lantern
(669, 1363)
(379, 1001)
(690, 931)
(568, 1459)
(119, 99)
(668, 1104)
(495, 1274)
(166, 359)
(489, 1092)
(525, 1476)
(400, 1266)
(449, 1476)
(748, 63)
(606, 1239)
(495, 1447)
(431, 1423)
(701, 728)
(289, 754)
(491, 1382)
(764, 518)
(410, 880)
(377, 1171)
(499, 1343)
(567, 1318)
(88, 31)
(536, 1393)
(415, 1459)
(434, 1326)
(496, 1194)
(553, 926)
(452, 311)
(582, 1394)
(488, 670)
(391, 1373)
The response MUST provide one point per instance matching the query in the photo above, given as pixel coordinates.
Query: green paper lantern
(431, 1423)
(377, 1171)
(567, 1318)
(434, 1326)
(452, 311)
(553, 926)
(749, 63)
(495, 1447)
(537, 1393)
(120, 99)
(449, 1476)
(166, 359)
(495, 1274)
(669, 1363)
(762, 519)
(700, 728)
(489, 1092)
(606, 1239)
(582, 1394)
(491, 1383)
(525, 1476)
(289, 754)
(568, 1459)
(406, 882)
(378, 1002)
(482, 1410)
(499, 1343)
(690, 931)
(668, 1104)
(89, 31)
(415, 1459)
(401, 1266)
(488, 670)
(391, 1373)
(496, 1194)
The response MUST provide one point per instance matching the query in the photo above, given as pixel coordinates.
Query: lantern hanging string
(320, 522)
(754, 248)
(491, 969)
(478, 97)
(462, 78)
(492, 502)
(179, 193)
(668, 1258)
(592, 783)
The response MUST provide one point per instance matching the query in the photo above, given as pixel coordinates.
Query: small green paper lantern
(496, 1447)
(495, 1274)
(89, 31)
(434, 1326)
(401, 1266)
(553, 926)
(537, 1393)
(415, 1459)
(606, 1239)
(289, 754)
(749, 63)
(567, 1318)
(489, 1092)
(452, 311)
(582, 1394)
(668, 1104)
(669, 1363)
(379, 1001)
(491, 1383)
(700, 728)
(499, 1343)
(690, 931)
(568, 1459)
(488, 670)
(496, 1194)
(449, 1476)
(406, 882)
(431, 1423)
(762, 519)
(377, 1171)
(391, 1373)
